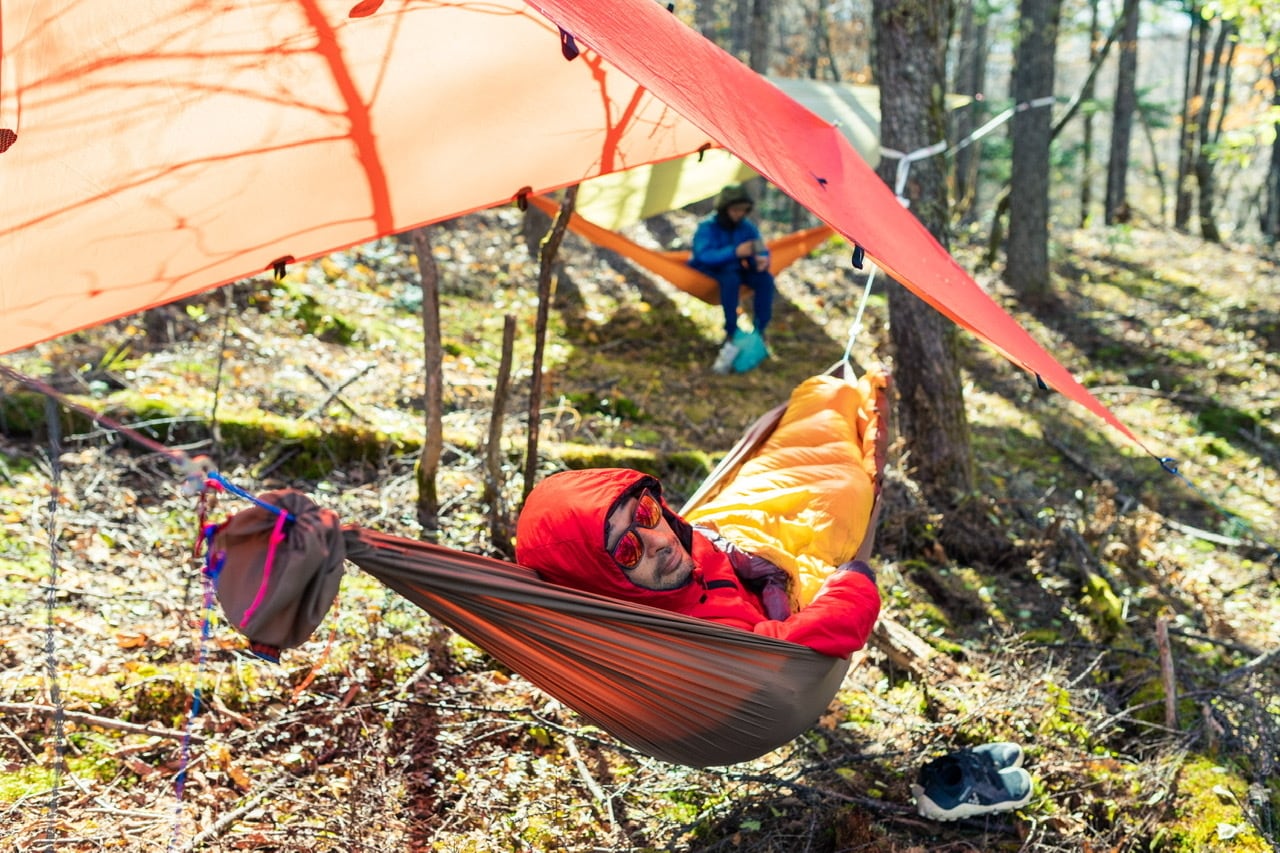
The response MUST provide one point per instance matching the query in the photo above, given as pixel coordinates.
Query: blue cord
(239, 492)
(1238, 523)
(209, 577)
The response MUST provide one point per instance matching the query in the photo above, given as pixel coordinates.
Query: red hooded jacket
(561, 535)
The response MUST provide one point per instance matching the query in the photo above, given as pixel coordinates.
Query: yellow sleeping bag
(803, 500)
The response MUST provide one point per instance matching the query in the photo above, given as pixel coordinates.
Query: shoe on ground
(1003, 754)
(969, 783)
(724, 361)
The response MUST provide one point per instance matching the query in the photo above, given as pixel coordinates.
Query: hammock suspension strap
(856, 327)
(50, 628)
(208, 578)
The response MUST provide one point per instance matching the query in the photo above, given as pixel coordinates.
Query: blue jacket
(714, 243)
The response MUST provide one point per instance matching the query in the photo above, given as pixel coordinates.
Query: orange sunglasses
(629, 550)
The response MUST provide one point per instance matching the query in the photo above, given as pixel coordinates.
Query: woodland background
(1115, 615)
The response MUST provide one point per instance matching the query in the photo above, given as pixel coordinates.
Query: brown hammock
(677, 688)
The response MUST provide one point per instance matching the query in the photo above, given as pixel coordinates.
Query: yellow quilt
(804, 500)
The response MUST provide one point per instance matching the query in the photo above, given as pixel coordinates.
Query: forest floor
(1045, 591)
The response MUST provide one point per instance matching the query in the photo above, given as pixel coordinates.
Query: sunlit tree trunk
(1204, 164)
(1087, 96)
(547, 251)
(970, 79)
(821, 57)
(433, 400)
(910, 65)
(1027, 266)
(759, 33)
(1115, 207)
(1188, 134)
(1271, 211)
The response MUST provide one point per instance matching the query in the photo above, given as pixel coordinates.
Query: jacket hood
(731, 195)
(562, 529)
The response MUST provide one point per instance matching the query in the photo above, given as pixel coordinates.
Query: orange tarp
(151, 152)
(674, 266)
(157, 150)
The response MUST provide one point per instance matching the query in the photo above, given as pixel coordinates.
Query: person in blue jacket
(727, 246)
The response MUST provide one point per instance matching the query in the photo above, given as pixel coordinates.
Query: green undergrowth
(289, 448)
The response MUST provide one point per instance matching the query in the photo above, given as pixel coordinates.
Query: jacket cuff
(860, 567)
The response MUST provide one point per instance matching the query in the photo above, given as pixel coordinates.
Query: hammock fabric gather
(622, 666)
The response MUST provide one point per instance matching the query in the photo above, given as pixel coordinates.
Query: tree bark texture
(1204, 162)
(433, 399)
(1188, 134)
(1027, 265)
(1271, 210)
(1116, 206)
(970, 79)
(910, 64)
(1087, 95)
(547, 258)
(494, 482)
(759, 33)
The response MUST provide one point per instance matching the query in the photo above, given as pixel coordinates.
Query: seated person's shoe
(970, 783)
(724, 361)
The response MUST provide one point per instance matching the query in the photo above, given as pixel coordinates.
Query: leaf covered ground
(1043, 592)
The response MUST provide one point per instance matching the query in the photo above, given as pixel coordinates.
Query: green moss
(1059, 724)
(1208, 812)
(1103, 607)
(26, 781)
(613, 404)
(1226, 422)
(1148, 703)
(1048, 636)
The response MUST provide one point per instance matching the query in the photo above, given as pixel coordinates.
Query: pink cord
(277, 536)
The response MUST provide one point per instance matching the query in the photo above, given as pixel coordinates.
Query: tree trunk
(821, 54)
(1116, 207)
(1271, 210)
(1087, 95)
(910, 64)
(759, 32)
(546, 263)
(1204, 162)
(1157, 169)
(740, 29)
(433, 399)
(705, 19)
(1193, 73)
(1027, 266)
(494, 482)
(970, 79)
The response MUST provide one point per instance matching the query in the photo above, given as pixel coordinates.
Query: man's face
(664, 563)
(737, 212)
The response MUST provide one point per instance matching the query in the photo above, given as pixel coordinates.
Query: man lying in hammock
(609, 531)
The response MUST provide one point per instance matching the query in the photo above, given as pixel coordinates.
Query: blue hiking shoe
(971, 782)
(1003, 754)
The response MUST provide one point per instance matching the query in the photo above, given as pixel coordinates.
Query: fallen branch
(101, 722)
(1207, 536)
(335, 394)
(1262, 660)
(224, 822)
(906, 650)
(1166, 673)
